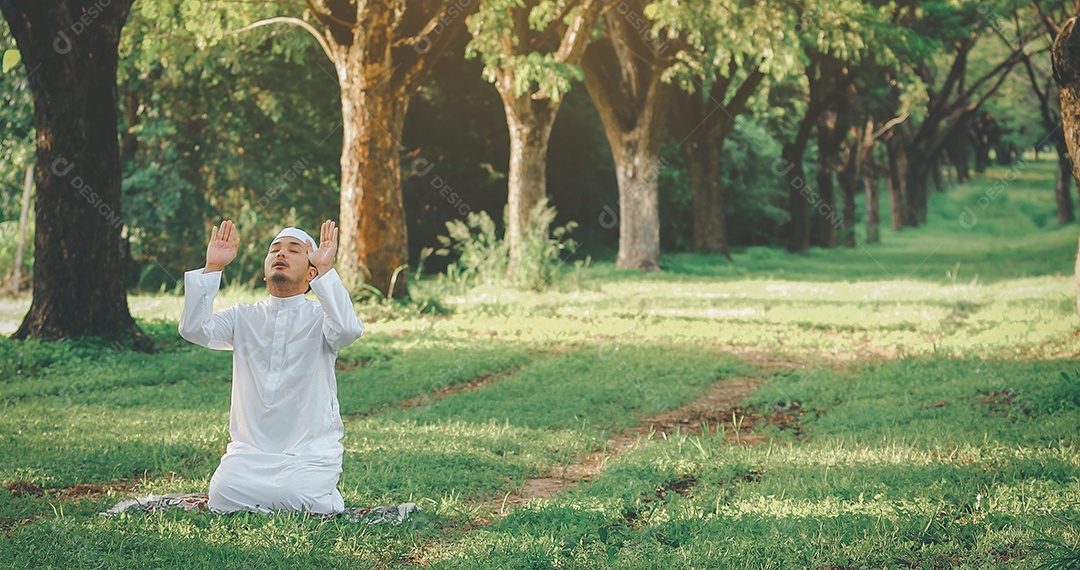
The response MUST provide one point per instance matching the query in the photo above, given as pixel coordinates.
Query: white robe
(286, 429)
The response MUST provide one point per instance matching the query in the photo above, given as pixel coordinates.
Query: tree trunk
(1063, 188)
(637, 169)
(830, 132)
(798, 195)
(898, 177)
(702, 150)
(70, 51)
(382, 51)
(957, 155)
(622, 76)
(825, 208)
(917, 195)
(848, 178)
(708, 202)
(1065, 57)
(703, 123)
(530, 121)
(373, 240)
(936, 174)
(873, 210)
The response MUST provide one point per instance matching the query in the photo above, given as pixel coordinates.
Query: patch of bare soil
(1003, 402)
(718, 406)
(467, 386)
(20, 488)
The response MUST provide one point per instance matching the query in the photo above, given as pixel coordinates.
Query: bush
(480, 257)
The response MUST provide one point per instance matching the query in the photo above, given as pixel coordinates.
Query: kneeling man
(286, 430)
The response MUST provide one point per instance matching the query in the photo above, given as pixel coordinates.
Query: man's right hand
(224, 243)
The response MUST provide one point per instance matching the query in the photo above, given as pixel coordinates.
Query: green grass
(929, 388)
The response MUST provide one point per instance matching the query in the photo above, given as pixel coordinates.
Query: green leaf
(12, 57)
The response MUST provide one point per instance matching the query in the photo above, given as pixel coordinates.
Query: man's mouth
(279, 265)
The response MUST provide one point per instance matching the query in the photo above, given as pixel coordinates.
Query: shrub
(480, 257)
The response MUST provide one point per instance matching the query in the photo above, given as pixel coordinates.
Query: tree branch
(292, 22)
(576, 38)
(415, 54)
(886, 127)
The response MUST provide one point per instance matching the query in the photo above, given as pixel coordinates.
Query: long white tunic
(286, 429)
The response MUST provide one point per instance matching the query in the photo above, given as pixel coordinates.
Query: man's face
(286, 262)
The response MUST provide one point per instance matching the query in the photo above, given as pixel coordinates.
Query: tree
(381, 51)
(69, 49)
(531, 50)
(828, 78)
(954, 93)
(1042, 84)
(834, 37)
(726, 51)
(623, 75)
(1065, 57)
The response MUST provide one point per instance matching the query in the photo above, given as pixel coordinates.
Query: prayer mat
(391, 514)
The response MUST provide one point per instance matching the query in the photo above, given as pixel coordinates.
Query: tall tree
(954, 92)
(726, 52)
(827, 77)
(834, 37)
(69, 49)
(382, 51)
(1042, 84)
(1065, 57)
(531, 50)
(623, 75)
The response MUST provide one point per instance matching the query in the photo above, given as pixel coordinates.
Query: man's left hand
(323, 258)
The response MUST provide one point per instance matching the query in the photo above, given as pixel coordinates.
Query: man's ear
(312, 272)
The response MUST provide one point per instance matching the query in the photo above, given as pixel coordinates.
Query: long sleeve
(199, 324)
(341, 326)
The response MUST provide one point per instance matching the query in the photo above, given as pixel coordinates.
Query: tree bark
(373, 241)
(707, 197)
(848, 177)
(382, 51)
(798, 196)
(873, 205)
(530, 121)
(1065, 57)
(831, 128)
(918, 169)
(898, 176)
(703, 122)
(1063, 188)
(829, 80)
(70, 52)
(622, 76)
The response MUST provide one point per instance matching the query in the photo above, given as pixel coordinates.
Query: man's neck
(285, 292)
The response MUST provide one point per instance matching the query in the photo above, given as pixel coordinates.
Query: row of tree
(873, 91)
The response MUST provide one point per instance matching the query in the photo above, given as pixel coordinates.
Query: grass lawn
(911, 404)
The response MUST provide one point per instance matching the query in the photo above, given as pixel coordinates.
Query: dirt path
(718, 406)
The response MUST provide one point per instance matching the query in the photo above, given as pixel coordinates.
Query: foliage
(16, 128)
(232, 130)
(756, 200)
(496, 41)
(480, 255)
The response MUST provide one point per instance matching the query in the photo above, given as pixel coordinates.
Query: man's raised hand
(224, 243)
(323, 258)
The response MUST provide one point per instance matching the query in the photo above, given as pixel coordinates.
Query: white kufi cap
(298, 234)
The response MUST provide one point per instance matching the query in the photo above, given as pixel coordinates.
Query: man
(285, 452)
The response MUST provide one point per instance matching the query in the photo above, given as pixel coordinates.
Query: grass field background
(917, 406)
